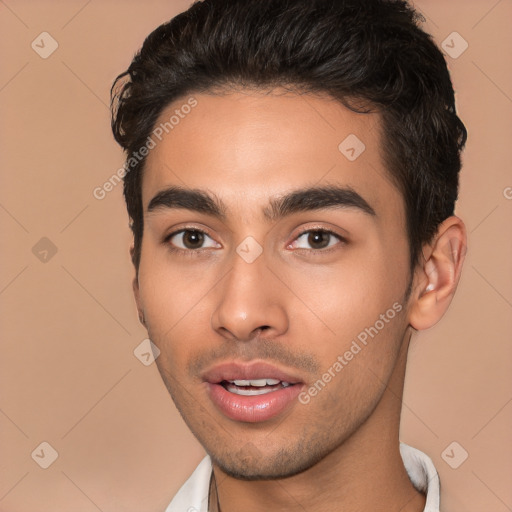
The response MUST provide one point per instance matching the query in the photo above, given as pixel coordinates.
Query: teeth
(241, 382)
(258, 383)
(248, 392)
(265, 385)
(255, 382)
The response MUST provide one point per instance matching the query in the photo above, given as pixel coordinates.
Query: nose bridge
(248, 299)
(246, 280)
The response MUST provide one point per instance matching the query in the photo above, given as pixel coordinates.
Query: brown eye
(316, 240)
(319, 239)
(191, 239)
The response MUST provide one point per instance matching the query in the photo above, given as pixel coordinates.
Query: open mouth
(254, 387)
(251, 392)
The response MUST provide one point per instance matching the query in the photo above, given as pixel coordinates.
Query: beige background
(68, 374)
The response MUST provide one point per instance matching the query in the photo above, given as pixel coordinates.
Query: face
(273, 274)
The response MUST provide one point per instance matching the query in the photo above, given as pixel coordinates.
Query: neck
(365, 473)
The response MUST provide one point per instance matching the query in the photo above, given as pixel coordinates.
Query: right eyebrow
(190, 199)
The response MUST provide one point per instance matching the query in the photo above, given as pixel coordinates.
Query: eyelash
(197, 252)
(342, 240)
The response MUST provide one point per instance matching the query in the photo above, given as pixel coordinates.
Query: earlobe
(437, 278)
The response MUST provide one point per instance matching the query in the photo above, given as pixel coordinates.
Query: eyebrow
(302, 200)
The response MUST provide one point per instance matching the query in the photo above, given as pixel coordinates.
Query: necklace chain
(213, 507)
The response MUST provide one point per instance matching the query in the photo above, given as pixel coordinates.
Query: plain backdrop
(68, 373)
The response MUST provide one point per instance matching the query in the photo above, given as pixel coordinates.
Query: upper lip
(247, 371)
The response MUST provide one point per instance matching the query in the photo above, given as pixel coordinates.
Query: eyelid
(321, 228)
(311, 229)
(174, 232)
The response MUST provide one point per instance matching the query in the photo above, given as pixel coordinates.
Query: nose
(250, 301)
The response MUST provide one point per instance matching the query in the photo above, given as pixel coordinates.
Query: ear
(437, 276)
(136, 292)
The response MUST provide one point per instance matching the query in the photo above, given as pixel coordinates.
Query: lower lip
(253, 409)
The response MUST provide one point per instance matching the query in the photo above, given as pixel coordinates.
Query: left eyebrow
(317, 198)
(302, 200)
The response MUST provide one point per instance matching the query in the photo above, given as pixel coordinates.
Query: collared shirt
(193, 495)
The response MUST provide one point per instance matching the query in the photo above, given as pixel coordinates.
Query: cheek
(172, 294)
(355, 371)
(353, 325)
(344, 300)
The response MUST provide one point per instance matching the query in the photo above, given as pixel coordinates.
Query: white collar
(193, 495)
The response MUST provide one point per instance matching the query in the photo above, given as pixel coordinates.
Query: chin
(249, 463)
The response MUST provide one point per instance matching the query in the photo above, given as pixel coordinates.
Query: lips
(251, 392)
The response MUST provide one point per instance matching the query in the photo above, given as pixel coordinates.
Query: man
(292, 169)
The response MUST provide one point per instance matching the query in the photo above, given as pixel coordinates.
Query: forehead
(246, 147)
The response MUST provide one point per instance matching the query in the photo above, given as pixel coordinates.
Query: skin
(208, 307)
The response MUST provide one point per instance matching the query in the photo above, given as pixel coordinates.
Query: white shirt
(193, 495)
